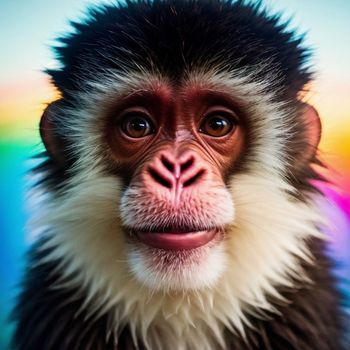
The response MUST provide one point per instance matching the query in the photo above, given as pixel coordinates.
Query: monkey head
(179, 163)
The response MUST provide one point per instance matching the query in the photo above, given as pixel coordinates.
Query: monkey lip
(176, 240)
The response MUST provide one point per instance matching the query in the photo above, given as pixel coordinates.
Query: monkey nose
(176, 173)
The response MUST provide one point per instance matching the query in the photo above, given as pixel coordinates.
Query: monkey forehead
(175, 35)
(236, 87)
(195, 89)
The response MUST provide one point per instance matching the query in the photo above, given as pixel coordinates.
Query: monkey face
(169, 178)
(173, 146)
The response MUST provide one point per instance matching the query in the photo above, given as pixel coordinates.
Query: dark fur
(173, 36)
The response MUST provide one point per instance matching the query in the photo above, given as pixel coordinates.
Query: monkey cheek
(175, 271)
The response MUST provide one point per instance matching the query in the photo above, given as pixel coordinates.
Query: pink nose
(176, 173)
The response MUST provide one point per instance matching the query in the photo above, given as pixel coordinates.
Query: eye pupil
(138, 124)
(217, 123)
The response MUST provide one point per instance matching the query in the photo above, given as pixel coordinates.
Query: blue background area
(12, 224)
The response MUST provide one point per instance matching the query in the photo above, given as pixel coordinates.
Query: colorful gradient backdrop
(27, 30)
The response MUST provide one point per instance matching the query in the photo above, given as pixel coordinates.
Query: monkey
(178, 206)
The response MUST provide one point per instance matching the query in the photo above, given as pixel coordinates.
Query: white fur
(261, 250)
(201, 270)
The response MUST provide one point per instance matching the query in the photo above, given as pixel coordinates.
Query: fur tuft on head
(180, 35)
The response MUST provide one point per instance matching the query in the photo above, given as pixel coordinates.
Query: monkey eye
(217, 125)
(136, 125)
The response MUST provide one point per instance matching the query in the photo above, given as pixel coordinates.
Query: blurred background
(28, 29)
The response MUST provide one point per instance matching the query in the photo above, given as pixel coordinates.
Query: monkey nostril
(187, 164)
(194, 178)
(167, 163)
(157, 177)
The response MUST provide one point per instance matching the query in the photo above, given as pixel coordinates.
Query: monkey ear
(311, 134)
(48, 132)
(313, 125)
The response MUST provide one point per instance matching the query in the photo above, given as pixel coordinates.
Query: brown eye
(217, 125)
(136, 126)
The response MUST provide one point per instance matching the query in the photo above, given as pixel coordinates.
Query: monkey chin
(177, 267)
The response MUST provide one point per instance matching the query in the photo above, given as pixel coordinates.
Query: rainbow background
(28, 29)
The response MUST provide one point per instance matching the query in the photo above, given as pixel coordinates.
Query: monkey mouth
(175, 238)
